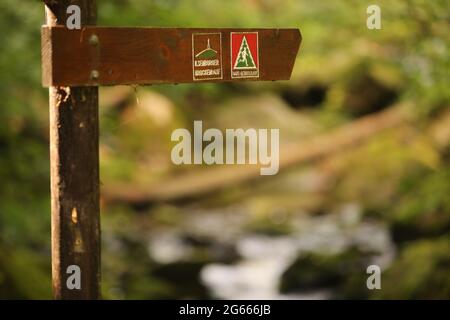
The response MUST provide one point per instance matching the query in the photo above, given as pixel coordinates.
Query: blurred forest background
(365, 160)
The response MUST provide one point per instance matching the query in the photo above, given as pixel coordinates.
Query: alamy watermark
(373, 21)
(73, 22)
(74, 279)
(374, 280)
(236, 146)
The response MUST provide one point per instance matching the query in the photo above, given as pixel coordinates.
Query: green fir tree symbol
(245, 58)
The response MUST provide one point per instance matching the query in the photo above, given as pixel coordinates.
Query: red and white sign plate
(244, 55)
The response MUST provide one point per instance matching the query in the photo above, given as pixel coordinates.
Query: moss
(424, 207)
(421, 272)
(272, 224)
(23, 275)
(167, 215)
(342, 272)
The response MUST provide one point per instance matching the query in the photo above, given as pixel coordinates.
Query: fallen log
(206, 180)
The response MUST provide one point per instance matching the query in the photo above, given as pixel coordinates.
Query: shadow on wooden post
(74, 161)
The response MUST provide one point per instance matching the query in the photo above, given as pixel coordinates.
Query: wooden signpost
(76, 62)
(115, 56)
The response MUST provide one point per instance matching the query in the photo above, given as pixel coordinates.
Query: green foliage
(421, 272)
(24, 169)
(342, 271)
(408, 56)
(424, 206)
(24, 274)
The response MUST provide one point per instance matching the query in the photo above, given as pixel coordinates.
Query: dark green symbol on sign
(245, 58)
(208, 53)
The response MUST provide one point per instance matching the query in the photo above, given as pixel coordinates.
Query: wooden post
(74, 161)
(76, 62)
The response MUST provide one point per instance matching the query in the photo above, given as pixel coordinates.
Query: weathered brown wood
(151, 55)
(74, 175)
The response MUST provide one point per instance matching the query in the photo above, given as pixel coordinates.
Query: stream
(262, 259)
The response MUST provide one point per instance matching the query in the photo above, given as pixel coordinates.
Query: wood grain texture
(74, 162)
(151, 55)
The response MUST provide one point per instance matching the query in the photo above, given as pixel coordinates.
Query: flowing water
(262, 259)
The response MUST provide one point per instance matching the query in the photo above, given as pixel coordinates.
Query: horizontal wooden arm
(114, 56)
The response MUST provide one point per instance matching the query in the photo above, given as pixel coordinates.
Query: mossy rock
(366, 92)
(270, 226)
(183, 279)
(421, 272)
(344, 273)
(424, 207)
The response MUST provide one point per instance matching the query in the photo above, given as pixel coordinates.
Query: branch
(205, 181)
